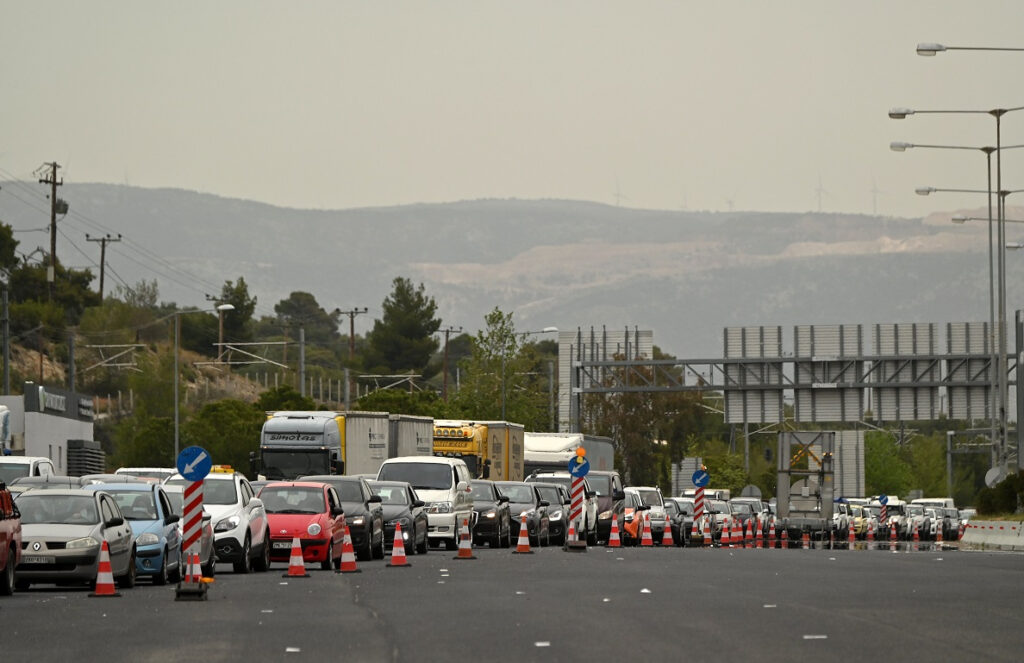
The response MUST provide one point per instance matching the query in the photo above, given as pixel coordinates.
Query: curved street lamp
(930, 49)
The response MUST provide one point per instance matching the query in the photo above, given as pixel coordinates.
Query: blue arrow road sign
(579, 469)
(700, 478)
(194, 463)
(883, 499)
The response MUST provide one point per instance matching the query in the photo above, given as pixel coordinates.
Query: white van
(15, 467)
(443, 484)
(944, 502)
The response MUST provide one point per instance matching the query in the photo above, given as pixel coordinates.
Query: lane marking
(645, 591)
(292, 650)
(815, 637)
(769, 605)
(543, 643)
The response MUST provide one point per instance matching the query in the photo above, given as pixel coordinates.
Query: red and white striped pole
(192, 529)
(576, 506)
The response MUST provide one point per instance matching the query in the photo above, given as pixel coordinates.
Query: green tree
(144, 441)
(886, 471)
(238, 324)
(283, 397)
(8, 248)
(228, 429)
(302, 310)
(422, 403)
(403, 339)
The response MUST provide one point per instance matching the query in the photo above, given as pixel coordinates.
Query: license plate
(282, 545)
(38, 559)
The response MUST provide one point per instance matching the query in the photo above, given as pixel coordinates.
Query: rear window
(422, 476)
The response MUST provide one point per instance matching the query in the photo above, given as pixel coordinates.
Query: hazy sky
(696, 105)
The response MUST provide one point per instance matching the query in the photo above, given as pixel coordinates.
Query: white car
(443, 485)
(650, 496)
(239, 519)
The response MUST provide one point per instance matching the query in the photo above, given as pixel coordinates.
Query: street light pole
(177, 379)
(220, 334)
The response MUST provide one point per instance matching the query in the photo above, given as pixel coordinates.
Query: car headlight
(78, 544)
(557, 515)
(313, 529)
(490, 514)
(605, 515)
(529, 513)
(227, 524)
(440, 507)
(147, 539)
(358, 521)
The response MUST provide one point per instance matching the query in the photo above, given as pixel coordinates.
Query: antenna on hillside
(619, 196)
(820, 190)
(874, 197)
(729, 203)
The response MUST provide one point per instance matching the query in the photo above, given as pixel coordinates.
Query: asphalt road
(658, 604)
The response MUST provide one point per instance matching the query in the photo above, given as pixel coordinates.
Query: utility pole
(352, 328)
(444, 365)
(103, 254)
(51, 179)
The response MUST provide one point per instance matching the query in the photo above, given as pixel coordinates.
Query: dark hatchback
(493, 518)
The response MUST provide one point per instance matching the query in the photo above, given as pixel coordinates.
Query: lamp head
(924, 190)
(929, 49)
(960, 218)
(900, 113)
(899, 146)
(549, 329)
(226, 307)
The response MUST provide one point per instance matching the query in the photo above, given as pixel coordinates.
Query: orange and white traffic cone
(785, 537)
(523, 546)
(348, 554)
(647, 539)
(805, 540)
(465, 542)
(892, 536)
(613, 536)
(871, 535)
(851, 536)
(960, 532)
(197, 568)
(938, 535)
(707, 537)
(296, 565)
(771, 533)
(666, 535)
(104, 574)
(737, 536)
(917, 538)
(695, 531)
(758, 534)
(748, 534)
(398, 548)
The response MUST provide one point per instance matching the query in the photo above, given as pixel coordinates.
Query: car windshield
(650, 497)
(518, 494)
(481, 491)
(215, 491)
(548, 478)
(11, 471)
(422, 476)
(293, 499)
(715, 506)
(42, 508)
(391, 494)
(742, 508)
(136, 505)
(683, 507)
(147, 474)
(915, 510)
(282, 464)
(349, 490)
(600, 484)
(549, 494)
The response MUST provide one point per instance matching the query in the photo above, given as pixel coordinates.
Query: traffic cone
(805, 540)
(737, 536)
(871, 535)
(758, 535)
(647, 539)
(348, 554)
(706, 536)
(695, 531)
(104, 574)
(613, 537)
(771, 533)
(938, 535)
(666, 536)
(851, 536)
(917, 538)
(831, 540)
(748, 534)
(197, 568)
(296, 565)
(523, 547)
(465, 542)
(960, 532)
(892, 536)
(785, 537)
(398, 548)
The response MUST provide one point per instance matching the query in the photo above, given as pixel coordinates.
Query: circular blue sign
(579, 469)
(883, 499)
(194, 463)
(700, 478)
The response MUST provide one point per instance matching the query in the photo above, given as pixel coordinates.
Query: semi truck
(491, 449)
(553, 451)
(299, 443)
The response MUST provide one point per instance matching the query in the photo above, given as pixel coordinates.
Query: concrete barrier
(993, 535)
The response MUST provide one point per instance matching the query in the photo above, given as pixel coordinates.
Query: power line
(103, 253)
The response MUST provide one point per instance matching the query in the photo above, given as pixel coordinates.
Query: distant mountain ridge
(570, 264)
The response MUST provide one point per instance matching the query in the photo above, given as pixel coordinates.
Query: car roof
(436, 460)
(141, 487)
(324, 478)
(303, 483)
(69, 492)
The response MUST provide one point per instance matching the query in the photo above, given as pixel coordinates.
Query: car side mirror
(337, 511)
(418, 503)
(375, 499)
(543, 503)
(173, 518)
(116, 521)
(463, 487)
(618, 495)
(503, 499)
(567, 502)
(207, 516)
(591, 494)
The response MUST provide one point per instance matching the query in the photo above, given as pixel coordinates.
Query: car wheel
(244, 565)
(366, 552)
(127, 581)
(209, 569)
(22, 585)
(329, 560)
(547, 536)
(7, 581)
(262, 563)
(507, 541)
(421, 548)
(175, 575)
(163, 576)
(451, 544)
(592, 538)
(378, 552)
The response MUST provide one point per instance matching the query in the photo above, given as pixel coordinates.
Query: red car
(308, 511)
(10, 540)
